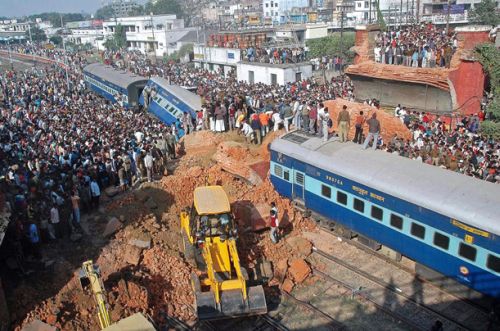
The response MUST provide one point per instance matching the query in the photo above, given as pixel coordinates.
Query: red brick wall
(473, 38)
(360, 43)
(468, 81)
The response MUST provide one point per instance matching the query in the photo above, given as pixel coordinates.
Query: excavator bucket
(232, 304)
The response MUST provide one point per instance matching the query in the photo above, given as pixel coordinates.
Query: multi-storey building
(161, 34)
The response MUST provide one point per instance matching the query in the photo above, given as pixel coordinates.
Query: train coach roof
(120, 78)
(454, 195)
(191, 99)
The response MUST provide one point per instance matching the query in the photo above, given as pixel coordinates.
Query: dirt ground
(141, 261)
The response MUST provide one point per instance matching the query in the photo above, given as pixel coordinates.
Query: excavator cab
(209, 232)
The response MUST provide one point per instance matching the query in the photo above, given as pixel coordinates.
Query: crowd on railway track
(61, 147)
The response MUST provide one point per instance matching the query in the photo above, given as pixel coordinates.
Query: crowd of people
(420, 45)
(61, 148)
(275, 55)
(461, 149)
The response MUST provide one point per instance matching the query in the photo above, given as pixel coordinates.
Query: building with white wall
(216, 58)
(278, 10)
(86, 36)
(164, 34)
(281, 74)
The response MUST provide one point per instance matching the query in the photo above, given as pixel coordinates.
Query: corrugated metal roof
(120, 78)
(454, 195)
(210, 200)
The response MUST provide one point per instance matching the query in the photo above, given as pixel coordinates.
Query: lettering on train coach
(469, 228)
(334, 180)
(363, 192)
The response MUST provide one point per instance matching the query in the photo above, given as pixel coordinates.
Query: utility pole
(407, 10)
(370, 13)
(341, 31)
(153, 33)
(400, 14)
(448, 17)
(31, 42)
(65, 56)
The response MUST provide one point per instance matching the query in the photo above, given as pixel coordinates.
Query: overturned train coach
(113, 84)
(169, 102)
(448, 223)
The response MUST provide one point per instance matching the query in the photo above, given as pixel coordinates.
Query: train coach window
(286, 175)
(341, 198)
(467, 251)
(417, 230)
(440, 240)
(326, 191)
(396, 221)
(377, 213)
(493, 263)
(278, 171)
(359, 205)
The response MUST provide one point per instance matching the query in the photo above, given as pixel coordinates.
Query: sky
(19, 8)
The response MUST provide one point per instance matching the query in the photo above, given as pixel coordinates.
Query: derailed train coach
(446, 222)
(113, 84)
(169, 102)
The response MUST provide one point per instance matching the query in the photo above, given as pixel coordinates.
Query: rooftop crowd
(421, 45)
(275, 55)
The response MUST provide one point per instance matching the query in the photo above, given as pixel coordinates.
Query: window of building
(359, 205)
(286, 175)
(467, 252)
(267, 5)
(341, 198)
(417, 230)
(367, 5)
(493, 263)
(440, 240)
(274, 79)
(377, 213)
(326, 191)
(397, 221)
(359, 4)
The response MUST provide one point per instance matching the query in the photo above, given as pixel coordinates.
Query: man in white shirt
(95, 193)
(55, 223)
(148, 163)
(247, 131)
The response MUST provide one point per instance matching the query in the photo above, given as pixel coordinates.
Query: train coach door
(298, 186)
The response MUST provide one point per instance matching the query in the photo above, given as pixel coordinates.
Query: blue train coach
(442, 220)
(169, 102)
(113, 84)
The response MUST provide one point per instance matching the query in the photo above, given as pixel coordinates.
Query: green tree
(380, 17)
(489, 57)
(485, 12)
(37, 34)
(56, 40)
(104, 12)
(330, 46)
(136, 11)
(55, 18)
(119, 39)
(160, 7)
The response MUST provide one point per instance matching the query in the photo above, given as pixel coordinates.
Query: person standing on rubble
(274, 223)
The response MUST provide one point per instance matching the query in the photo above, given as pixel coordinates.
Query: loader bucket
(231, 305)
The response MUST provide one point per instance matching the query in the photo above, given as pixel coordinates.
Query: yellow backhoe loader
(90, 278)
(209, 239)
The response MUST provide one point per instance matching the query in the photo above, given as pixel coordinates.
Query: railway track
(267, 323)
(333, 324)
(394, 300)
(485, 310)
